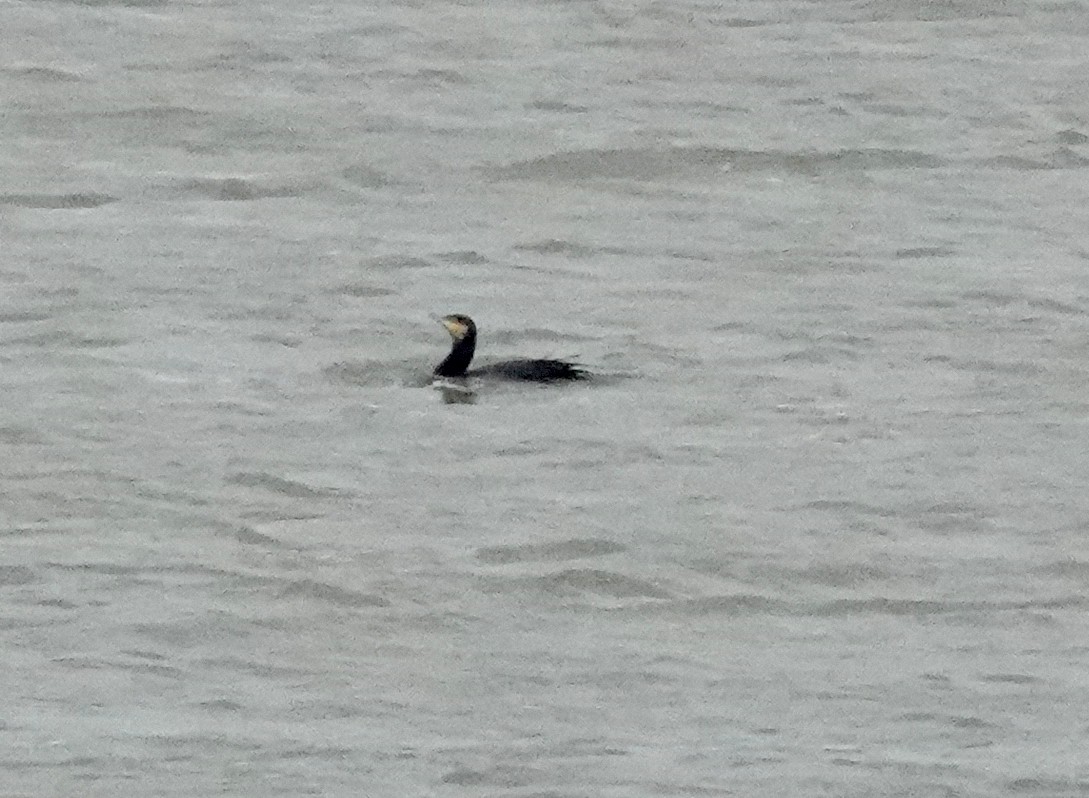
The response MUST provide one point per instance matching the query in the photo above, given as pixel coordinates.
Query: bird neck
(461, 355)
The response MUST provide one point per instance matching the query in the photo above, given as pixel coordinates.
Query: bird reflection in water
(454, 394)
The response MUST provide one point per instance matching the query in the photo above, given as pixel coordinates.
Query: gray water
(818, 528)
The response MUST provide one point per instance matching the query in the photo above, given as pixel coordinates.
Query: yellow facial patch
(456, 328)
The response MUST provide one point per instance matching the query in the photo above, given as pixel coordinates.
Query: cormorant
(463, 331)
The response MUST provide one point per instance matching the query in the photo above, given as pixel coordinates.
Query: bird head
(458, 325)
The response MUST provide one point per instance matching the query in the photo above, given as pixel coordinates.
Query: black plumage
(463, 331)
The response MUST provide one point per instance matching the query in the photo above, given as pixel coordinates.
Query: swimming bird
(463, 331)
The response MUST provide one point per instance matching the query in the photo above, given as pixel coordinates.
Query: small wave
(123, 3)
(255, 666)
(395, 262)
(249, 536)
(462, 257)
(912, 253)
(342, 597)
(239, 189)
(58, 202)
(1011, 678)
(553, 246)
(13, 434)
(284, 487)
(1020, 368)
(363, 176)
(820, 354)
(55, 340)
(647, 163)
(1071, 137)
(1060, 158)
(1065, 308)
(11, 575)
(357, 373)
(1047, 786)
(605, 583)
(45, 74)
(881, 605)
(17, 316)
(175, 115)
(576, 548)
(558, 106)
(505, 776)
(361, 290)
